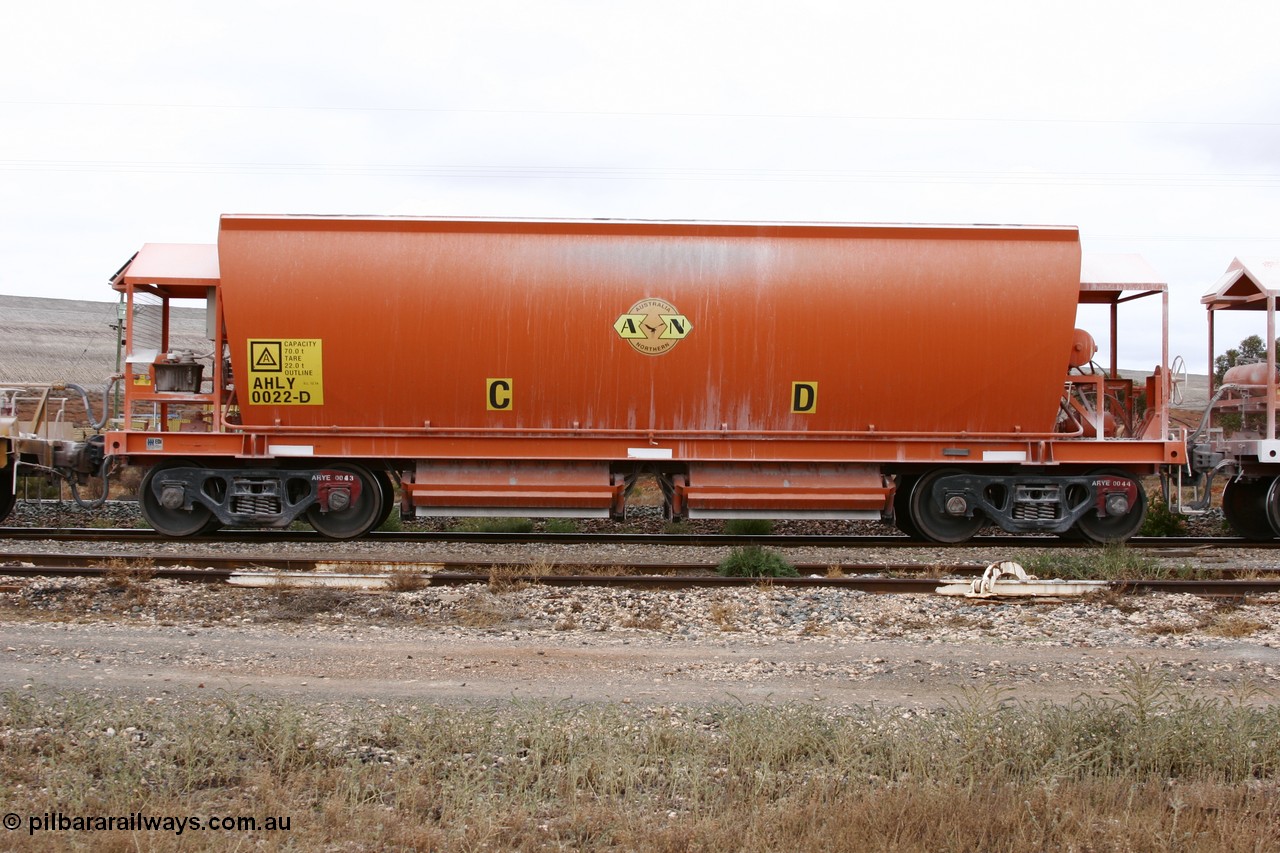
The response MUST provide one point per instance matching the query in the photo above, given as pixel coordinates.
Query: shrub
(1105, 563)
(748, 527)
(495, 525)
(753, 561)
(561, 525)
(1162, 521)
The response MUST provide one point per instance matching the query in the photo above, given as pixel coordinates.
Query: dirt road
(411, 664)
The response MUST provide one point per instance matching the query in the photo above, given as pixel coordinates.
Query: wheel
(1177, 381)
(1273, 506)
(1246, 507)
(902, 507)
(930, 517)
(388, 496)
(1114, 528)
(173, 521)
(357, 519)
(8, 497)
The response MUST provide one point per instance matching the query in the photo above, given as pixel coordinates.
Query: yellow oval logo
(653, 326)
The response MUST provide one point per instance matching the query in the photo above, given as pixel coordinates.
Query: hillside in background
(66, 340)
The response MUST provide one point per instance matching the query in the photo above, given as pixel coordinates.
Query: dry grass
(1114, 597)
(569, 621)
(406, 580)
(290, 604)
(1151, 770)
(482, 610)
(513, 577)
(725, 615)
(125, 581)
(937, 571)
(124, 573)
(644, 621)
(1233, 626)
(507, 578)
(815, 628)
(961, 620)
(608, 571)
(1224, 622)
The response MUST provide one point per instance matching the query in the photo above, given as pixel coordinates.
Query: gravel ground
(164, 639)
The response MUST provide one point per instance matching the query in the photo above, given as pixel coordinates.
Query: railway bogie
(951, 505)
(339, 499)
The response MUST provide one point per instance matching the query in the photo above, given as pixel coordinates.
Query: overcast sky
(1153, 127)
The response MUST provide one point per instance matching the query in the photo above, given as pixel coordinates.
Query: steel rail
(706, 540)
(178, 565)
(283, 573)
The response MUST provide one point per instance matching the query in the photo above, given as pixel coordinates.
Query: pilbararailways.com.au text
(139, 822)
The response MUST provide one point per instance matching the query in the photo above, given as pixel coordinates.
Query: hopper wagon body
(928, 375)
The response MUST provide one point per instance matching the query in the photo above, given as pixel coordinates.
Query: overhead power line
(659, 173)
(1052, 120)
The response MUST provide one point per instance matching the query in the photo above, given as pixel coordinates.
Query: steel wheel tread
(178, 523)
(1244, 506)
(359, 518)
(933, 522)
(388, 496)
(1110, 530)
(8, 495)
(902, 507)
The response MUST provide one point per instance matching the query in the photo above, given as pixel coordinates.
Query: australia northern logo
(653, 326)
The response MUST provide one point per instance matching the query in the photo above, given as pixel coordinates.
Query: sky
(1154, 127)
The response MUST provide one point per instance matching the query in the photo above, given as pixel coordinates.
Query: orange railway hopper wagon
(928, 375)
(1238, 437)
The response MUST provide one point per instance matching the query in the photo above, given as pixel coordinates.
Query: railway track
(296, 571)
(94, 534)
